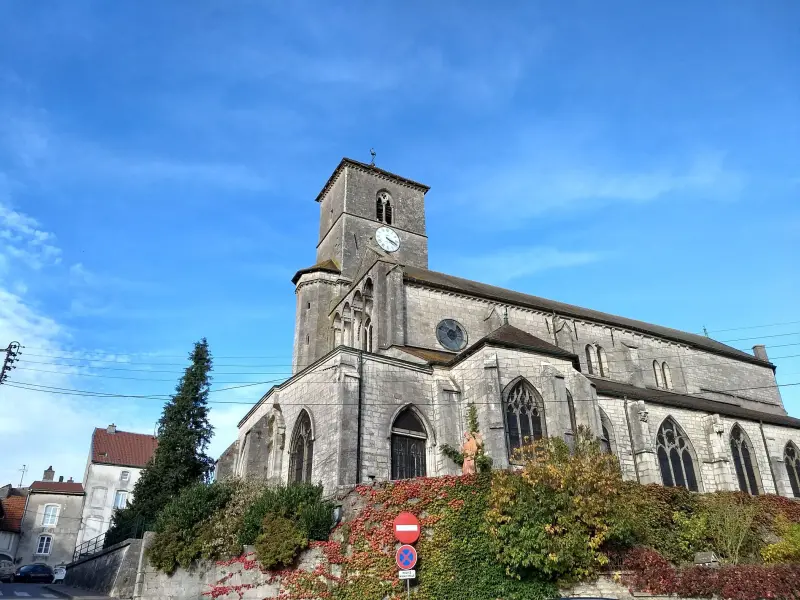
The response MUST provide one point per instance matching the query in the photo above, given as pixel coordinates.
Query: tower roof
(349, 162)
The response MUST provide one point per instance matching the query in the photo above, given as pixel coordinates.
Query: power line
(753, 327)
(71, 392)
(760, 337)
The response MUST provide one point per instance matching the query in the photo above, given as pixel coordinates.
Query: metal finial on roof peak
(373, 154)
(505, 316)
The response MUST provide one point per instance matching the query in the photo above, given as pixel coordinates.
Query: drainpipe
(359, 419)
(630, 439)
(769, 458)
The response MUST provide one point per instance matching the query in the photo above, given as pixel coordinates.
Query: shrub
(651, 572)
(280, 541)
(300, 502)
(731, 521)
(554, 518)
(179, 526)
(655, 516)
(220, 536)
(786, 550)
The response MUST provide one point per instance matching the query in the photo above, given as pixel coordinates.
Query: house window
(659, 376)
(125, 476)
(602, 362)
(302, 450)
(408, 446)
(675, 457)
(791, 458)
(742, 452)
(50, 517)
(98, 497)
(120, 499)
(44, 545)
(524, 412)
(383, 207)
(589, 352)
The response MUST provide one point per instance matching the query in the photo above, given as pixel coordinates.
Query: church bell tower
(362, 209)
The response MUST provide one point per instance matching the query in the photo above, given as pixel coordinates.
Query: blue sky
(159, 162)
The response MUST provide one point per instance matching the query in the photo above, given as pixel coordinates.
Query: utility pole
(12, 355)
(24, 470)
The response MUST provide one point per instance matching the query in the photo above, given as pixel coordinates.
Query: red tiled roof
(57, 487)
(14, 507)
(122, 448)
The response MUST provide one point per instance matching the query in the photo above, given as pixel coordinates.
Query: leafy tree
(180, 460)
(554, 519)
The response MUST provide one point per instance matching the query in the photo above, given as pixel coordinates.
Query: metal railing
(108, 538)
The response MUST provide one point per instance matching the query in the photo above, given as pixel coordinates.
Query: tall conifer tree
(180, 459)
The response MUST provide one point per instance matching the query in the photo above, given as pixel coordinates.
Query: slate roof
(369, 168)
(667, 398)
(13, 509)
(490, 292)
(57, 487)
(506, 336)
(431, 356)
(328, 266)
(122, 448)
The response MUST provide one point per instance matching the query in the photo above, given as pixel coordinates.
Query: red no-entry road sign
(406, 528)
(406, 557)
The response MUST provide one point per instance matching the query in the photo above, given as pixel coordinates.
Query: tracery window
(524, 415)
(742, 452)
(608, 443)
(675, 457)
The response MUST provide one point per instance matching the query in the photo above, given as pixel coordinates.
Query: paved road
(32, 591)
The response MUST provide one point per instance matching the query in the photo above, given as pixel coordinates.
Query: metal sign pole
(408, 589)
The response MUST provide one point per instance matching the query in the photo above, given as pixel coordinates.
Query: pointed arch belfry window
(675, 458)
(383, 207)
(409, 441)
(523, 408)
(743, 461)
(667, 376)
(302, 450)
(791, 458)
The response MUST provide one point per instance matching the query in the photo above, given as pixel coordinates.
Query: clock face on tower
(387, 239)
(451, 334)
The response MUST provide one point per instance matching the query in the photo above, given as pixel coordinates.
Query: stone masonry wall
(111, 571)
(630, 354)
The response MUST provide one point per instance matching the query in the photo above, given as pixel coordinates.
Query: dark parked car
(34, 574)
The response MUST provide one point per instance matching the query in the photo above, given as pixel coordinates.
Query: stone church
(388, 355)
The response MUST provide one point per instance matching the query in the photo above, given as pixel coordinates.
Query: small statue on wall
(473, 444)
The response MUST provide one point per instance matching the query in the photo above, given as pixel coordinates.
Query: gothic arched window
(524, 413)
(791, 458)
(302, 450)
(383, 207)
(675, 457)
(658, 374)
(743, 456)
(408, 446)
(667, 376)
(607, 442)
(589, 352)
(602, 362)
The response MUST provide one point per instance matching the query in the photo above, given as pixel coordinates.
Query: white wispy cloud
(505, 265)
(24, 239)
